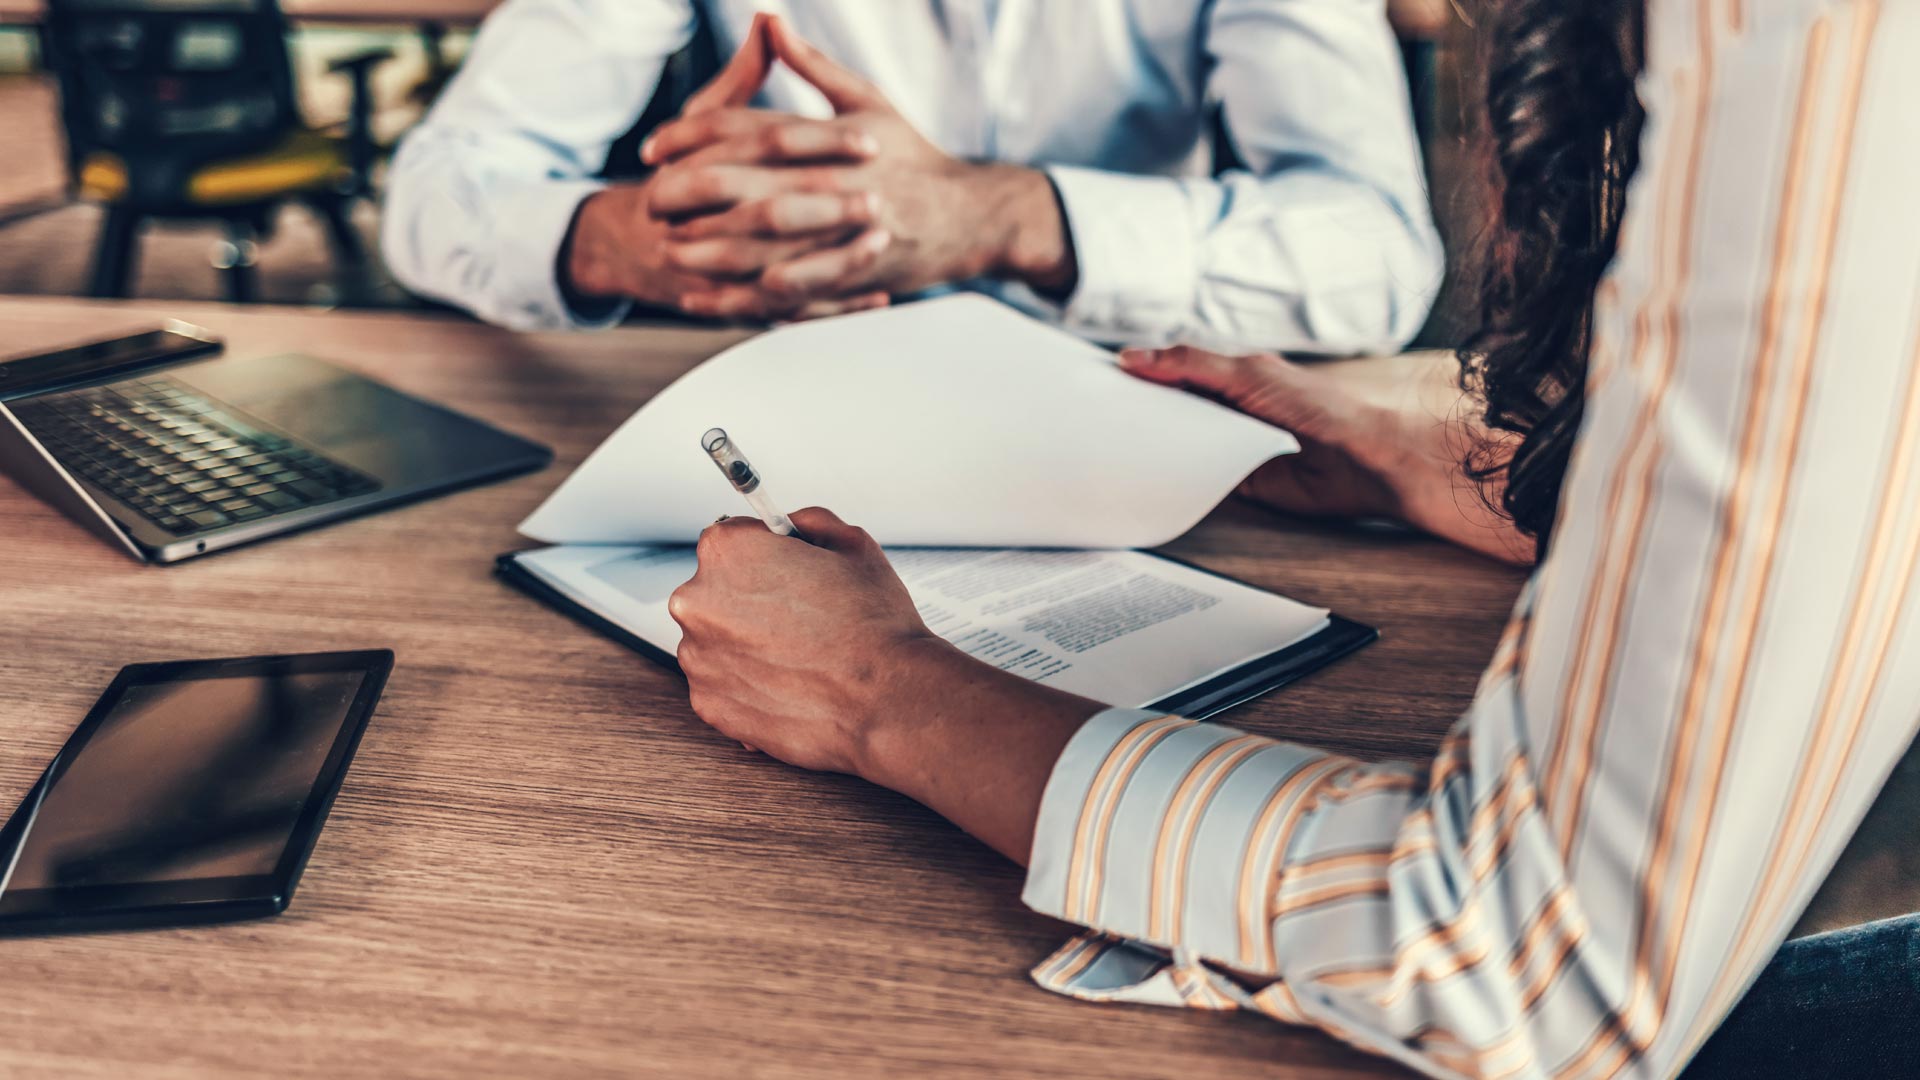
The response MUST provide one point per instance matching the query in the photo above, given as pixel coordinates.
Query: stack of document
(1009, 469)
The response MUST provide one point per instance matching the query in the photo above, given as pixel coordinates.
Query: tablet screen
(187, 779)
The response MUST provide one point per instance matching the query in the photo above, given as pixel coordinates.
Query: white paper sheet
(951, 422)
(1120, 627)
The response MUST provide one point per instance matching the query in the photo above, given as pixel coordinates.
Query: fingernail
(646, 151)
(1135, 357)
(864, 143)
(878, 239)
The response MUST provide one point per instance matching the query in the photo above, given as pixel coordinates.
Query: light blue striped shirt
(1701, 691)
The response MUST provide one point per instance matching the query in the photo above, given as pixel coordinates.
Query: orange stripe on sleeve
(1096, 861)
(1182, 820)
(1097, 810)
(1268, 847)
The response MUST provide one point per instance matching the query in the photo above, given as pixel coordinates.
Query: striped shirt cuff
(1170, 833)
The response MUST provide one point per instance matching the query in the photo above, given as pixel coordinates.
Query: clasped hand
(753, 214)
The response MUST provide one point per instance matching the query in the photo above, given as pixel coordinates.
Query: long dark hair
(1562, 133)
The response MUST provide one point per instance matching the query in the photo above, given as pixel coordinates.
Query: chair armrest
(363, 60)
(361, 150)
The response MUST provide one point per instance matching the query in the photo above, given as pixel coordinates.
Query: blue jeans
(1842, 1005)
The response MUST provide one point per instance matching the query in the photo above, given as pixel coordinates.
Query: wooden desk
(541, 863)
(444, 12)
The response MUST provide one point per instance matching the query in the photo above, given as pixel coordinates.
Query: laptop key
(310, 490)
(207, 519)
(279, 500)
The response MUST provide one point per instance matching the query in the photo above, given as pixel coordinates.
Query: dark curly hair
(1562, 137)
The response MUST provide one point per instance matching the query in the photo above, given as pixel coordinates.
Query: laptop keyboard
(179, 459)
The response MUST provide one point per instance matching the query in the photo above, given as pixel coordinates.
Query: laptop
(169, 451)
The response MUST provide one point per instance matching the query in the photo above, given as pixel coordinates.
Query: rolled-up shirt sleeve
(1181, 797)
(482, 193)
(1323, 243)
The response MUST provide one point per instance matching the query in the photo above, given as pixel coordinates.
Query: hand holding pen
(745, 479)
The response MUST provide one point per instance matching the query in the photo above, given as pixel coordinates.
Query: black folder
(1242, 684)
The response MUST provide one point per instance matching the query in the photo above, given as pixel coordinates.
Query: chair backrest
(179, 80)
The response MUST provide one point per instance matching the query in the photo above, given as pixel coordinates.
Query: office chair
(185, 109)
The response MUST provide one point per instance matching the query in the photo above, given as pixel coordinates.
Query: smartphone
(105, 361)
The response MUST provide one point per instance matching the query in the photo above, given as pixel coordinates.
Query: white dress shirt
(1325, 243)
(1703, 688)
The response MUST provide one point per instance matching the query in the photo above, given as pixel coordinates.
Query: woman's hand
(1379, 437)
(812, 651)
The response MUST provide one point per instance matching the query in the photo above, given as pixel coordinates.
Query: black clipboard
(1255, 678)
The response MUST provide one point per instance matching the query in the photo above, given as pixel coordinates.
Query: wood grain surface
(541, 863)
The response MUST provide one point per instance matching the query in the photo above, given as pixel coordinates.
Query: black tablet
(191, 793)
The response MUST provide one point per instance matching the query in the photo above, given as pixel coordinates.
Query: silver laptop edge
(29, 463)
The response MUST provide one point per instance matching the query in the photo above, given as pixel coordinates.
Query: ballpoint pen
(745, 479)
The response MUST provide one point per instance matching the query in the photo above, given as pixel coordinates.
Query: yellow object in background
(304, 161)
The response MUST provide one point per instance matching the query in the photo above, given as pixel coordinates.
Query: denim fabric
(1843, 1005)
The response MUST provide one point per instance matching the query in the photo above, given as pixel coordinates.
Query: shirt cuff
(534, 222)
(1166, 832)
(1138, 258)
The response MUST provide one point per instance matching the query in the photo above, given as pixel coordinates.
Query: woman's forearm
(1428, 432)
(1438, 496)
(971, 742)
